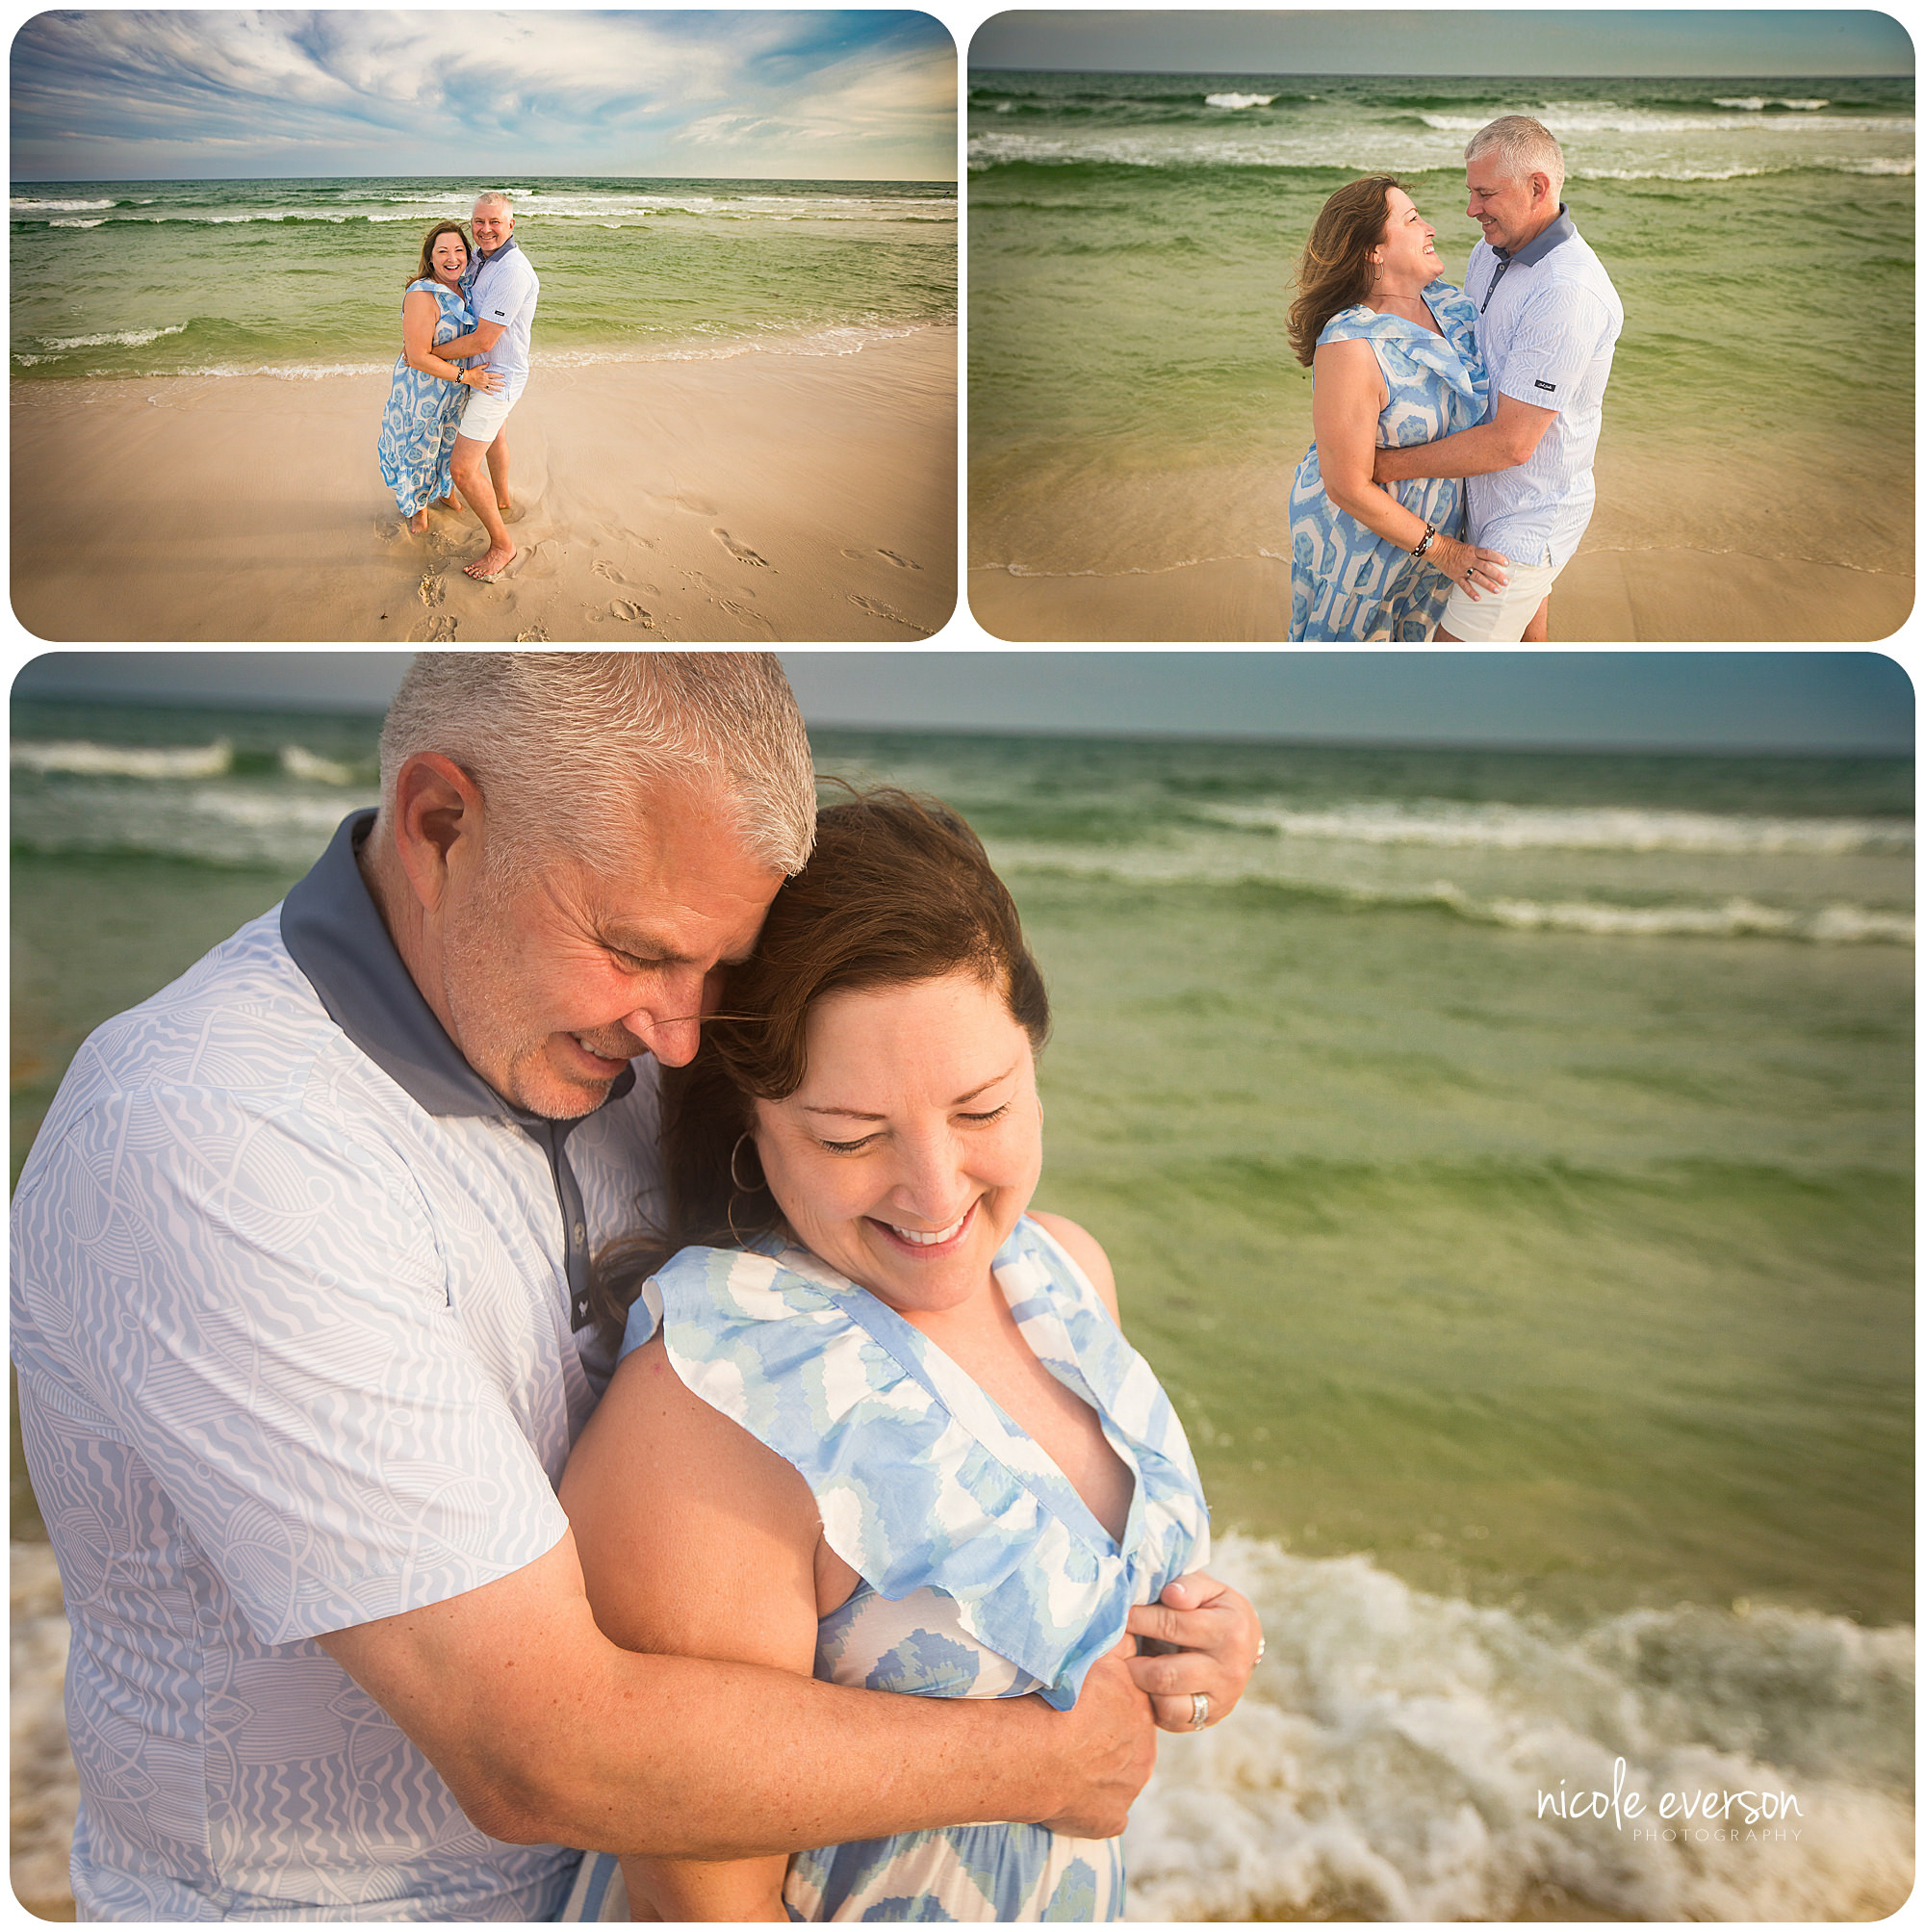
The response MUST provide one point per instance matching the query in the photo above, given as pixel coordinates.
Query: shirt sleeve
(259, 1308)
(1559, 334)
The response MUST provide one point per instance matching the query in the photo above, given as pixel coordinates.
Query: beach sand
(1602, 597)
(766, 497)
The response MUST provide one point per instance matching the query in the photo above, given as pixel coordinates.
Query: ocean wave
(1400, 1756)
(1237, 100)
(1572, 828)
(77, 222)
(1589, 119)
(21, 205)
(131, 337)
(1758, 103)
(297, 761)
(95, 761)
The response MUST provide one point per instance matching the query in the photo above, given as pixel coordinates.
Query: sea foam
(1392, 1756)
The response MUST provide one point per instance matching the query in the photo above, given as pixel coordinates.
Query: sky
(1672, 43)
(1811, 701)
(110, 95)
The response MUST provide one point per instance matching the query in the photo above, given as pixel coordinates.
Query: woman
(424, 413)
(879, 1422)
(1395, 358)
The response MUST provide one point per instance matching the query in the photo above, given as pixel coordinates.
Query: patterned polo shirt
(1548, 323)
(292, 1313)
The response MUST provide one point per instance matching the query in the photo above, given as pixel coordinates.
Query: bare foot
(486, 569)
(447, 503)
(418, 522)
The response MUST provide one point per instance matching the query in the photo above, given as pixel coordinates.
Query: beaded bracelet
(1430, 536)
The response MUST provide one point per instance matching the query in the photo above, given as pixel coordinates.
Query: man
(1548, 321)
(301, 1263)
(502, 289)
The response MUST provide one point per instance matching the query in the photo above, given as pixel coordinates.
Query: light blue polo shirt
(504, 287)
(1548, 323)
(292, 1310)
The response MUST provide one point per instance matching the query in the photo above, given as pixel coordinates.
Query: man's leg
(469, 469)
(1538, 629)
(497, 471)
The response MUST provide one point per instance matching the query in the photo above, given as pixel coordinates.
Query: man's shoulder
(242, 1026)
(1576, 266)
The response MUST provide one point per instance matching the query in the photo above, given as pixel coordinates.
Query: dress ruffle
(923, 1481)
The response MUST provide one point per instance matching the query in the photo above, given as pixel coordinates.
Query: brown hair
(899, 891)
(1335, 272)
(425, 268)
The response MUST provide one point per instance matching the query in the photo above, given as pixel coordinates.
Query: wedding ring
(1200, 1710)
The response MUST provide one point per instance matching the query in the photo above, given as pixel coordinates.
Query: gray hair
(1526, 147)
(568, 745)
(498, 198)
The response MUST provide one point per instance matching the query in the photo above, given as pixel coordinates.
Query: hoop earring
(737, 1185)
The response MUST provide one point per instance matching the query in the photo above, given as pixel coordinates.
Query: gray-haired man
(1547, 321)
(300, 1283)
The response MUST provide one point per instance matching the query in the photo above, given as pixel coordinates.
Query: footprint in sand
(900, 562)
(430, 590)
(631, 613)
(740, 551)
(601, 567)
(877, 608)
(742, 615)
(534, 635)
(387, 532)
(441, 632)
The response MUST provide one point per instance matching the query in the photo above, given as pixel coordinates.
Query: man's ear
(439, 817)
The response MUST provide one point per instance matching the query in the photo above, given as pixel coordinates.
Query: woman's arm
(1347, 401)
(420, 312)
(696, 1541)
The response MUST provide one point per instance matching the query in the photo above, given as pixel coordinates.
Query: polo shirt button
(578, 1233)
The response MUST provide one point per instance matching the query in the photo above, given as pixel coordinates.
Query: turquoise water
(1506, 1159)
(1133, 239)
(302, 277)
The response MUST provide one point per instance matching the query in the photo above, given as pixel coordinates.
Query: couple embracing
(546, 1384)
(465, 324)
(1455, 431)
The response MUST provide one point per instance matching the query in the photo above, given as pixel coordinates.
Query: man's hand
(1108, 1749)
(1216, 1635)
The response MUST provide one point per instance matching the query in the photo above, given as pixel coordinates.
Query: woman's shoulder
(1350, 323)
(424, 285)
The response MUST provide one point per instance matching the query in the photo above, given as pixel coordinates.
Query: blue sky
(1549, 41)
(139, 95)
(1741, 700)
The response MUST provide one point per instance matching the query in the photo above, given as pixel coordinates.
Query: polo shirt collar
(1539, 246)
(333, 931)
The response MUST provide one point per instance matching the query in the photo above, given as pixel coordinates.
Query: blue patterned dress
(424, 413)
(1346, 584)
(984, 1573)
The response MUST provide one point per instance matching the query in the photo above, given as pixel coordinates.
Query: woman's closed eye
(857, 1146)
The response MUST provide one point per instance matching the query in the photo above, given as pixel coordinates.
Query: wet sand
(767, 497)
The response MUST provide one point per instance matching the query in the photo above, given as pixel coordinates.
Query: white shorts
(485, 411)
(1495, 617)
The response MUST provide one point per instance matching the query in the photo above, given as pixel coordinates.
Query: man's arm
(1510, 437)
(549, 1732)
(478, 340)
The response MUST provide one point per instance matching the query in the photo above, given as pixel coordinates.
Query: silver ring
(1200, 1710)
(1261, 1648)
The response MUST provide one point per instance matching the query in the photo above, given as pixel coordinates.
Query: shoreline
(780, 494)
(1603, 596)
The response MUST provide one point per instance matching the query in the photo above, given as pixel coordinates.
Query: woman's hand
(482, 378)
(1474, 569)
(1215, 1642)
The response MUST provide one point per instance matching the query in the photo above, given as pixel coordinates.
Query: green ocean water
(1506, 1161)
(305, 278)
(1132, 240)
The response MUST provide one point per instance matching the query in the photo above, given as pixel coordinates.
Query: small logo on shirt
(1552, 386)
